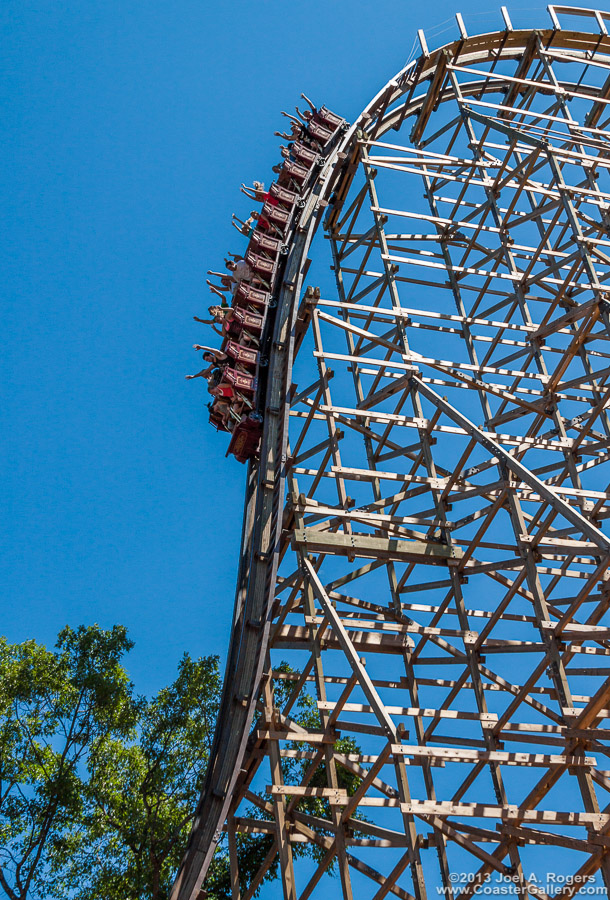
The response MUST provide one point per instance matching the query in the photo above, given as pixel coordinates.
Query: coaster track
(548, 541)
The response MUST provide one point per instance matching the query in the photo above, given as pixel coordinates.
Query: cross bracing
(425, 557)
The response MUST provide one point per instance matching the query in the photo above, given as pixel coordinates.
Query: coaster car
(293, 173)
(319, 133)
(244, 356)
(240, 381)
(248, 295)
(303, 155)
(277, 215)
(263, 245)
(262, 267)
(244, 323)
(283, 195)
(328, 119)
(246, 437)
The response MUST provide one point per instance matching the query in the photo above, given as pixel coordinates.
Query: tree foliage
(54, 709)
(99, 786)
(140, 794)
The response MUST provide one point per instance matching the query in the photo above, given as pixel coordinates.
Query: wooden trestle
(425, 536)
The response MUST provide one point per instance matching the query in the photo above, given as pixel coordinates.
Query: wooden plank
(369, 547)
(333, 795)
(489, 719)
(515, 758)
(485, 811)
(298, 637)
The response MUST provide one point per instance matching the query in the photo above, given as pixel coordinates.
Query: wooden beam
(368, 547)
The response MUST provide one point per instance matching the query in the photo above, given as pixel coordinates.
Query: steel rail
(265, 484)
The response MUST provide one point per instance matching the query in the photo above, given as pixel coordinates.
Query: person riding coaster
(313, 115)
(216, 418)
(233, 390)
(256, 192)
(221, 315)
(322, 115)
(267, 221)
(244, 227)
(313, 134)
(239, 269)
(218, 361)
(296, 131)
(228, 405)
(227, 285)
(235, 323)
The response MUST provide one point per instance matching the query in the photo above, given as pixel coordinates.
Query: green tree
(141, 794)
(98, 787)
(55, 707)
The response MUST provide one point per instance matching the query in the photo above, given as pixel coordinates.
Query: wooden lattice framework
(440, 447)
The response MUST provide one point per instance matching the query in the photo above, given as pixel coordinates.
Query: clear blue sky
(128, 127)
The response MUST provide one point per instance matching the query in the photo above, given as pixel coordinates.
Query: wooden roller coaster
(424, 558)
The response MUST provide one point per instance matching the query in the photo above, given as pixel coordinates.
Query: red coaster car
(319, 133)
(246, 384)
(263, 245)
(245, 356)
(293, 173)
(244, 325)
(303, 155)
(263, 268)
(247, 295)
(283, 195)
(277, 215)
(328, 119)
(246, 438)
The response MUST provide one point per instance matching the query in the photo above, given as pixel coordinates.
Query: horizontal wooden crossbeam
(368, 547)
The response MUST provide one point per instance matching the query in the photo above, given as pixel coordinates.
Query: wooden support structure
(422, 603)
